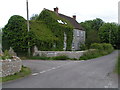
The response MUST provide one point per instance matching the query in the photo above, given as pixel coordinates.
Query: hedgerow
(98, 49)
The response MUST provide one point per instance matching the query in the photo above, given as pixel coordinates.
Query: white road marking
(52, 68)
(105, 86)
(43, 72)
(34, 74)
(109, 85)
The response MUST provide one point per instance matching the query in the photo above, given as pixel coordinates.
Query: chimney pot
(74, 16)
(56, 10)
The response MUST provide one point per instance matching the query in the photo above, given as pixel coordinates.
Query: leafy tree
(34, 17)
(92, 24)
(97, 23)
(92, 37)
(15, 34)
(92, 27)
(118, 38)
(108, 33)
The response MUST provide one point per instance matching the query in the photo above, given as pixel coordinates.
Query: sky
(84, 10)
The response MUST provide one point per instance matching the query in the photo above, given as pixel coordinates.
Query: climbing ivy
(45, 32)
(50, 19)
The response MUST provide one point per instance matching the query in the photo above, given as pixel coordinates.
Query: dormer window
(60, 21)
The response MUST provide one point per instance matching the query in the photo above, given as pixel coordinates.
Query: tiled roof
(75, 24)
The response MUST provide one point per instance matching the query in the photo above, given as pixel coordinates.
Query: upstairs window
(78, 33)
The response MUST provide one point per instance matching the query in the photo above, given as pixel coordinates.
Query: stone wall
(9, 67)
(78, 39)
(70, 54)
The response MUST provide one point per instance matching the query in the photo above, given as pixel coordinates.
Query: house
(78, 31)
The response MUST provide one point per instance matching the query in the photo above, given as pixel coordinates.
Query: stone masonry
(70, 54)
(9, 67)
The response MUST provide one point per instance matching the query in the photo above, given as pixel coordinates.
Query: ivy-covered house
(50, 31)
(78, 31)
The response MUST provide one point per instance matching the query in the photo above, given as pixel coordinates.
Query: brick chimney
(74, 17)
(56, 10)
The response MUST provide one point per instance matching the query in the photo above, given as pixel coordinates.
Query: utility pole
(28, 26)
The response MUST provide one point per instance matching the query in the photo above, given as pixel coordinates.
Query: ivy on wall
(50, 19)
(45, 32)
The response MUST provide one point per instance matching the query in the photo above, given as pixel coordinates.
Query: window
(78, 33)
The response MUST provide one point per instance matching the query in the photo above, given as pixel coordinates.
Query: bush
(101, 49)
(39, 58)
(90, 54)
(83, 47)
(107, 47)
(6, 55)
(63, 57)
(97, 46)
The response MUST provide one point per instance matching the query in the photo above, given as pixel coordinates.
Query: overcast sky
(107, 10)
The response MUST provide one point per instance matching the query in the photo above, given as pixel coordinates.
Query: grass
(118, 65)
(24, 72)
(62, 57)
(93, 54)
(101, 49)
(39, 58)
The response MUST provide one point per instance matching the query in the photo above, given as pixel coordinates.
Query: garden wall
(9, 67)
(70, 54)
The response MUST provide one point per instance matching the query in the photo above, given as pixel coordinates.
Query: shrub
(63, 57)
(100, 50)
(83, 47)
(40, 58)
(96, 46)
(90, 54)
(103, 47)
(15, 34)
(6, 55)
(107, 47)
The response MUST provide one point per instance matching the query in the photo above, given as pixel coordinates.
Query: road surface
(94, 73)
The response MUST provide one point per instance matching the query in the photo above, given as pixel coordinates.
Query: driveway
(94, 73)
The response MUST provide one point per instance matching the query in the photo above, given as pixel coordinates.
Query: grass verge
(62, 57)
(100, 49)
(24, 72)
(93, 54)
(117, 69)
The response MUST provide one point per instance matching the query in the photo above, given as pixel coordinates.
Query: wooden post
(28, 27)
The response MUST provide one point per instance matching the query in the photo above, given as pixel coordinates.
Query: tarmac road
(94, 73)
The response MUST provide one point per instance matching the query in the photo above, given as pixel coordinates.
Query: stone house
(78, 31)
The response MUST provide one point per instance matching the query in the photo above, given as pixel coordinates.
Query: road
(94, 73)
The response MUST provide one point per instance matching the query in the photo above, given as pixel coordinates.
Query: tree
(92, 37)
(15, 34)
(97, 23)
(91, 28)
(108, 33)
(118, 38)
(34, 17)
